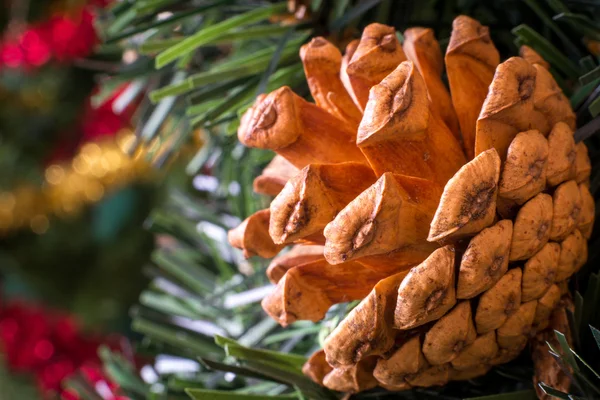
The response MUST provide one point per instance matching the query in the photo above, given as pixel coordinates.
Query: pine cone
(457, 219)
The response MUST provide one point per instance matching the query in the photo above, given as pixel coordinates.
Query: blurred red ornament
(11, 55)
(72, 38)
(63, 38)
(50, 346)
(103, 120)
(36, 50)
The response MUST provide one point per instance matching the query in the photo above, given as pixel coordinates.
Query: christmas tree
(201, 65)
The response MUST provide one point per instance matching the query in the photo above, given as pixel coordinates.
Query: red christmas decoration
(103, 120)
(62, 38)
(50, 346)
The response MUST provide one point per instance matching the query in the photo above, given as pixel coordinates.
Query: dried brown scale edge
(481, 352)
(562, 154)
(500, 302)
(588, 211)
(468, 202)
(449, 335)
(531, 228)
(407, 359)
(573, 254)
(307, 291)
(274, 176)
(510, 107)
(546, 304)
(299, 254)
(566, 207)
(427, 292)
(253, 238)
(549, 99)
(532, 56)
(517, 328)
(540, 272)
(485, 260)
(322, 62)
(367, 330)
(524, 171)
(390, 216)
(377, 54)
(425, 148)
(313, 197)
(583, 165)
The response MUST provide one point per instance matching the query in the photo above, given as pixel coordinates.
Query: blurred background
(120, 174)
(72, 201)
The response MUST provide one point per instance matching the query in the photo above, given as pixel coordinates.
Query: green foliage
(15, 386)
(211, 59)
(196, 293)
(583, 369)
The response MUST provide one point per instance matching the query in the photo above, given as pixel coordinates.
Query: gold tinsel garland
(98, 168)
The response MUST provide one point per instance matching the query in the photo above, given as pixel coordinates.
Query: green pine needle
(518, 395)
(203, 394)
(212, 33)
(547, 50)
(590, 76)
